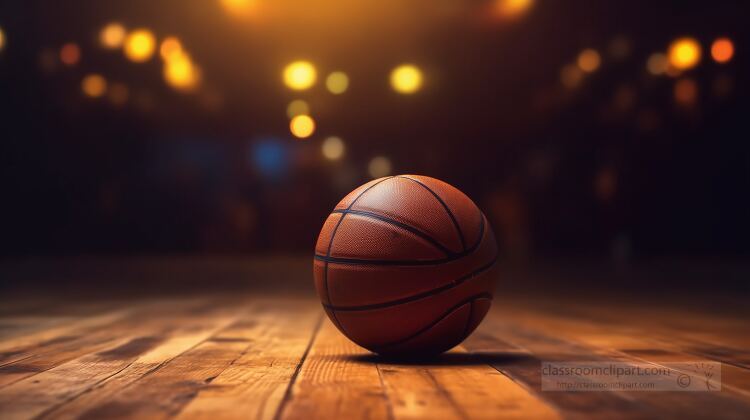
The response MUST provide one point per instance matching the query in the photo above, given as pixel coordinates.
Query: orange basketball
(402, 266)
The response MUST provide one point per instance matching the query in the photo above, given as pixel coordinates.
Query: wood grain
(277, 357)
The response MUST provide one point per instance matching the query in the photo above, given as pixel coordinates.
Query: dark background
(614, 169)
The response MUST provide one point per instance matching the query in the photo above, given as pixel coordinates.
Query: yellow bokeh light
(70, 54)
(300, 75)
(297, 107)
(302, 126)
(181, 73)
(2, 39)
(333, 148)
(238, 7)
(657, 64)
(722, 50)
(140, 45)
(94, 85)
(112, 35)
(589, 60)
(379, 166)
(511, 8)
(337, 82)
(684, 53)
(170, 48)
(406, 79)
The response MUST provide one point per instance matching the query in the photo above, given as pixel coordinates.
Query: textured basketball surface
(402, 265)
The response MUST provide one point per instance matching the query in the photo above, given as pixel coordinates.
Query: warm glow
(302, 126)
(70, 54)
(2, 39)
(337, 82)
(722, 50)
(571, 76)
(94, 85)
(511, 8)
(333, 148)
(300, 75)
(589, 60)
(657, 64)
(181, 73)
(112, 36)
(379, 166)
(140, 45)
(238, 7)
(170, 48)
(297, 107)
(118, 94)
(406, 79)
(686, 92)
(684, 53)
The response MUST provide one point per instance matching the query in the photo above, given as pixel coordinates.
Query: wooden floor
(270, 356)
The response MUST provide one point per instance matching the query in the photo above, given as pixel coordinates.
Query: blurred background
(610, 132)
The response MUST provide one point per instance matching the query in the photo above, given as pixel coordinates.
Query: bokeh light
(239, 7)
(118, 94)
(297, 107)
(589, 60)
(181, 73)
(70, 54)
(2, 39)
(686, 92)
(170, 48)
(684, 53)
(300, 75)
(379, 166)
(406, 79)
(302, 126)
(512, 8)
(722, 50)
(337, 82)
(112, 35)
(333, 148)
(657, 64)
(270, 157)
(94, 85)
(140, 45)
(571, 76)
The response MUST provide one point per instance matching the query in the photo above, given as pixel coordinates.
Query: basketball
(403, 266)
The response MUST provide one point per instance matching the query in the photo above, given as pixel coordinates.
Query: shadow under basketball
(444, 359)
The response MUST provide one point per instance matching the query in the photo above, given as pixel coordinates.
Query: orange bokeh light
(70, 54)
(722, 50)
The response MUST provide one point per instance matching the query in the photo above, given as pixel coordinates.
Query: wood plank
(332, 384)
(459, 385)
(163, 381)
(546, 344)
(636, 343)
(107, 317)
(519, 354)
(48, 391)
(340, 380)
(42, 356)
(254, 385)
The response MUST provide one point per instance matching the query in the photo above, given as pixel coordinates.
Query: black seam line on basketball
(404, 226)
(484, 295)
(445, 206)
(330, 244)
(357, 261)
(418, 296)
